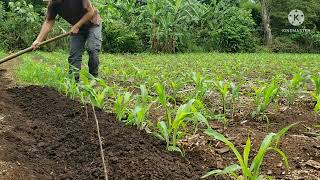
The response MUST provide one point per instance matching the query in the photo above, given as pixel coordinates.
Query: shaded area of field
(51, 138)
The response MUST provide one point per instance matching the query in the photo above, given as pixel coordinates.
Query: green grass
(175, 72)
(146, 68)
(2, 54)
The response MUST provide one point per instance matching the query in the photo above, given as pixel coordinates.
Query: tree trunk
(266, 22)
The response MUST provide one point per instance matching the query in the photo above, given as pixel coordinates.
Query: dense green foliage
(173, 25)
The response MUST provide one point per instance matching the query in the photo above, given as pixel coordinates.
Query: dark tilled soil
(51, 138)
(44, 135)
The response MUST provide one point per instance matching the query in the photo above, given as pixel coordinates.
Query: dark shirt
(72, 11)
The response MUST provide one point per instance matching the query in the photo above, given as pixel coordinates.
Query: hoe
(12, 56)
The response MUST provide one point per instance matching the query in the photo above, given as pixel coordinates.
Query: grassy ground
(2, 54)
(128, 72)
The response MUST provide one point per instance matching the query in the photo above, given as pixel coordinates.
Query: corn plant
(163, 100)
(98, 97)
(316, 93)
(71, 88)
(317, 99)
(144, 97)
(174, 132)
(121, 104)
(292, 88)
(249, 171)
(235, 94)
(263, 96)
(170, 132)
(139, 115)
(175, 86)
(316, 82)
(200, 86)
(223, 89)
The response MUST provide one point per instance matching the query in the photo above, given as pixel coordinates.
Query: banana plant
(249, 171)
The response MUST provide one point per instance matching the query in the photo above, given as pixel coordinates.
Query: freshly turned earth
(51, 138)
(44, 135)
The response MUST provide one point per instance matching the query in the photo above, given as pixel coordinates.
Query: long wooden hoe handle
(30, 48)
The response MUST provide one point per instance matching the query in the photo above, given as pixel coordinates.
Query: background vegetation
(174, 25)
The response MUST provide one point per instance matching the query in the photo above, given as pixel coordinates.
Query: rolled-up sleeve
(51, 13)
(86, 4)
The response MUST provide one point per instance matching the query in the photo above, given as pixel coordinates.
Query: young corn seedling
(235, 94)
(139, 116)
(163, 100)
(98, 97)
(249, 171)
(121, 105)
(175, 132)
(292, 88)
(200, 86)
(316, 93)
(71, 88)
(317, 99)
(316, 82)
(171, 133)
(263, 97)
(175, 85)
(223, 89)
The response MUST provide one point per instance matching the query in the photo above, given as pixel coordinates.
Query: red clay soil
(50, 138)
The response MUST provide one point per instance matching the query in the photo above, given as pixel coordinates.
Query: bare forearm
(87, 17)
(46, 28)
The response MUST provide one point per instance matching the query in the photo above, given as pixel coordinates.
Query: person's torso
(73, 10)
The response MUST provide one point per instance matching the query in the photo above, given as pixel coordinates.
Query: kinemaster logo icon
(296, 17)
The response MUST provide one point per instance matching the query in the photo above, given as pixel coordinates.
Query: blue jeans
(93, 37)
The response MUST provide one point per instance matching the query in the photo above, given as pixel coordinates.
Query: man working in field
(86, 27)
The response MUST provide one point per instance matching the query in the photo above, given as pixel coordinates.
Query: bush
(297, 43)
(118, 37)
(230, 29)
(18, 25)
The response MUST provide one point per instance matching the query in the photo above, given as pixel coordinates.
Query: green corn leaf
(257, 161)
(228, 170)
(175, 149)
(220, 137)
(283, 155)
(162, 126)
(246, 151)
(202, 119)
(282, 132)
